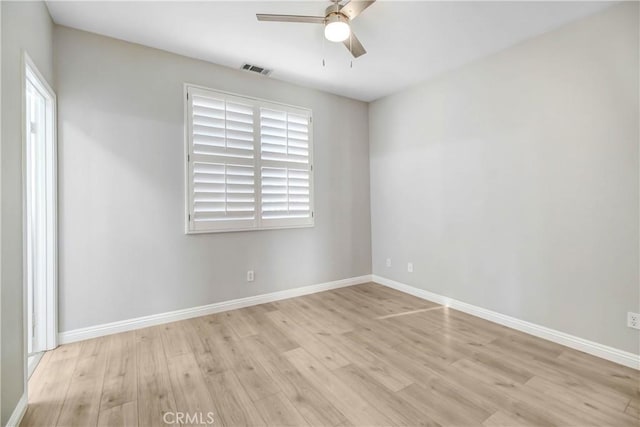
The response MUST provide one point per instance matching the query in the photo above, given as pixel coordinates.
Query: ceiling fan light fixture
(337, 28)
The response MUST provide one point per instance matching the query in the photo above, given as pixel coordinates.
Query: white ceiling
(407, 41)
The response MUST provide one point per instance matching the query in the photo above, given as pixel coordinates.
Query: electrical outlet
(250, 276)
(410, 267)
(633, 320)
(388, 262)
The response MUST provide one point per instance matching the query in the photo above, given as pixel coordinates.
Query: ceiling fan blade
(354, 46)
(290, 18)
(355, 7)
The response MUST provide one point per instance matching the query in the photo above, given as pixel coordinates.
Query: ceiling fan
(336, 20)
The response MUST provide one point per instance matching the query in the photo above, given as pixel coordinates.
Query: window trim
(258, 222)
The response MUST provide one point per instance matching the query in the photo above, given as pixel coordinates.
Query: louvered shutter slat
(273, 148)
(208, 121)
(274, 140)
(208, 130)
(295, 143)
(207, 140)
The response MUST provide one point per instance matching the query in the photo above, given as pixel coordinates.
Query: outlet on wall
(633, 320)
(410, 267)
(250, 276)
(388, 262)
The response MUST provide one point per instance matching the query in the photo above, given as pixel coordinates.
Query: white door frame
(50, 338)
(0, 201)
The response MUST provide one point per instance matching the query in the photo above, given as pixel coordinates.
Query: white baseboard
(605, 352)
(18, 412)
(188, 313)
(609, 353)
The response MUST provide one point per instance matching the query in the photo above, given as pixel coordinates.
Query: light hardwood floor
(364, 355)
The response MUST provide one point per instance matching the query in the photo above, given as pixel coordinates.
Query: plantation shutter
(249, 163)
(285, 167)
(222, 164)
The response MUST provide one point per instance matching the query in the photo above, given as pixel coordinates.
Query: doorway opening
(40, 219)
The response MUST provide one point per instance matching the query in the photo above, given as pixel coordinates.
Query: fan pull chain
(323, 52)
(351, 46)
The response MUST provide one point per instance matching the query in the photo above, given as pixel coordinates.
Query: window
(249, 163)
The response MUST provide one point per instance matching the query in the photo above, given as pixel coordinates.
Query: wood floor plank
(124, 415)
(618, 377)
(189, 387)
(385, 373)
(444, 412)
(389, 305)
(578, 371)
(233, 405)
(450, 380)
(382, 292)
(599, 412)
(120, 378)
(514, 371)
(400, 411)
(67, 351)
(405, 313)
(42, 365)
(39, 376)
(174, 339)
(199, 333)
(82, 401)
(276, 337)
(228, 347)
(311, 404)
(534, 346)
(552, 370)
(48, 389)
(241, 322)
(277, 410)
(447, 323)
(439, 346)
(561, 413)
(497, 394)
(315, 318)
(501, 419)
(633, 408)
(353, 317)
(348, 401)
(484, 395)
(424, 356)
(368, 305)
(331, 359)
(155, 396)
(329, 356)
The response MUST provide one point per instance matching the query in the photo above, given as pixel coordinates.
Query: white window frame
(258, 223)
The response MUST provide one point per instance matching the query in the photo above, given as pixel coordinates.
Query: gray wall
(512, 183)
(123, 251)
(25, 25)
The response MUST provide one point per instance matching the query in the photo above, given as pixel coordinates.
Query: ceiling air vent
(256, 69)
